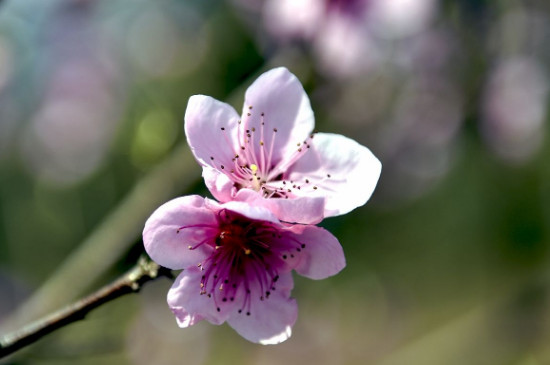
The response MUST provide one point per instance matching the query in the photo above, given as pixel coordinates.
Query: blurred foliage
(448, 262)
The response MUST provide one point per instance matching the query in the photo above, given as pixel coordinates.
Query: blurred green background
(448, 263)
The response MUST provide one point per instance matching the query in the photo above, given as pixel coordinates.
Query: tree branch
(111, 239)
(131, 282)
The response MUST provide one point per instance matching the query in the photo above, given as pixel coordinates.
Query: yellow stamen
(256, 182)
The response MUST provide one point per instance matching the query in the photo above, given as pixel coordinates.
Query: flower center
(233, 237)
(247, 259)
(257, 163)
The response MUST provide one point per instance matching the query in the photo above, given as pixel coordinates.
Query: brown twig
(131, 282)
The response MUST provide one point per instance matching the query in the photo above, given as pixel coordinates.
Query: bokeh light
(449, 261)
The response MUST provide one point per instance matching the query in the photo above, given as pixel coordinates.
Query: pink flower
(237, 261)
(270, 156)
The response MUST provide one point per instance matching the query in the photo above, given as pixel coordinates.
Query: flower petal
(277, 101)
(270, 320)
(211, 132)
(219, 184)
(251, 211)
(322, 256)
(189, 306)
(338, 168)
(167, 244)
(305, 210)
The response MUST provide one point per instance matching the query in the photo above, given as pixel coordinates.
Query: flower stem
(131, 282)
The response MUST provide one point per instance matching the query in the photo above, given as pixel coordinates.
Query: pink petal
(305, 210)
(167, 244)
(204, 119)
(189, 306)
(270, 320)
(254, 212)
(219, 184)
(338, 168)
(279, 95)
(322, 256)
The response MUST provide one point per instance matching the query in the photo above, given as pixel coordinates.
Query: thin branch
(111, 239)
(131, 282)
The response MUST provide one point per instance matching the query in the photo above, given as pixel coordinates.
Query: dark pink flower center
(247, 259)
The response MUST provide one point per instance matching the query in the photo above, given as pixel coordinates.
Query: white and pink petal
(276, 101)
(190, 306)
(220, 185)
(211, 130)
(270, 320)
(251, 211)
(166, 239)
(322, 255)
(304, 210)
(339, 169)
